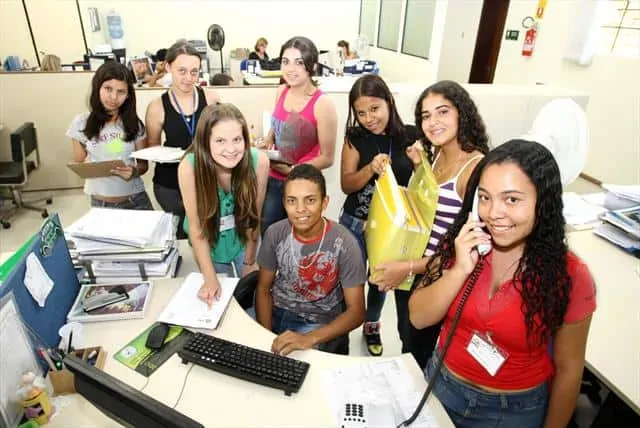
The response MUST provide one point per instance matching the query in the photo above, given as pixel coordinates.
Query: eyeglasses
(193, 72)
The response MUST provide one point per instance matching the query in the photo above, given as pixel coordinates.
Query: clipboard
(95, 169)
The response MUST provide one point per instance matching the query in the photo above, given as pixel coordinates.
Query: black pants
(171, 201)
(420, 342)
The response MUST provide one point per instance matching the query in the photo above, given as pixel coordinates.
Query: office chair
(15, 175)
(246, 289)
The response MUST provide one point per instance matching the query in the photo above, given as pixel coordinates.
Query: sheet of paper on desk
(187, 310)
(36, 280)
(382, 383)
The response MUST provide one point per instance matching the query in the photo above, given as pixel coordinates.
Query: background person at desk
(346, 52)
(527, 294)
(112, 130)
(311, 280)
(304, 123)
(223, 223)
(260, 52)
(176, 113)
(374, 135)
(160, 74)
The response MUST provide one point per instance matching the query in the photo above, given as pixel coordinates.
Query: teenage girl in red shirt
(517, 353)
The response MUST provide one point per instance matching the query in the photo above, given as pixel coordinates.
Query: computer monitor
(120, 402)
(141, 67)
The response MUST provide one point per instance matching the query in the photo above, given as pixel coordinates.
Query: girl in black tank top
(177, 135)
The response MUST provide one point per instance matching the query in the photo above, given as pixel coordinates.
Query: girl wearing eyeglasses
(176, 113)
(303, 124)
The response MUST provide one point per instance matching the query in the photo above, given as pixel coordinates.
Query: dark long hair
(309, 53)
(181, 47)
(243, 177)
(98, 116)
(472, 134)
(371, 85)
(543, 281)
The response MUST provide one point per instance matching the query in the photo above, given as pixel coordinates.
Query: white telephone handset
(483, 249)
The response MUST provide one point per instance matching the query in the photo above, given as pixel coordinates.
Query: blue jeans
(273, 208)
(137, 201)
(283, 320)
(471, 407)
(233, 268)
(375, 297)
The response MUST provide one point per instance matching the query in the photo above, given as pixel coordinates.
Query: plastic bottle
(116, 33)
(252, 136)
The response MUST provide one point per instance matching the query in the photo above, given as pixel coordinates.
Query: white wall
(154, 24)
(611, 83)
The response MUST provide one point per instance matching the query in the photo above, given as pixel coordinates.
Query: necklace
(315, 255)
(441, 169)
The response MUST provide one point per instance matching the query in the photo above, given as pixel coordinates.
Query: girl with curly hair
(453, 135)
(516, 321)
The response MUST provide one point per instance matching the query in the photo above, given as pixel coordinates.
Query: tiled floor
(72, 204)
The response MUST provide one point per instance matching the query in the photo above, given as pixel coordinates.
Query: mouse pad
(145, 361)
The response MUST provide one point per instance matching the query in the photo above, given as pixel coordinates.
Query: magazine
(105, 302)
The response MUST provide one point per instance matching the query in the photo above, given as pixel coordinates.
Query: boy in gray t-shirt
(311, 280)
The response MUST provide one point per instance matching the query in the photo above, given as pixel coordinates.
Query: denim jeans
(137, 201)
(472, 407)
(171, 201)
(273, 208)
(375, 297)
(232, 269)
(283, 320)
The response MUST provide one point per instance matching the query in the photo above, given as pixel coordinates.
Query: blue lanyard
(191, 125)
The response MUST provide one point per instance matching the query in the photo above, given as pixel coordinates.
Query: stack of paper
(621, 196)
(622, 227)
(124, 244)
(580, 210)
(187, 310)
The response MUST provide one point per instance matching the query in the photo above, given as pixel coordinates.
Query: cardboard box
(63, 380)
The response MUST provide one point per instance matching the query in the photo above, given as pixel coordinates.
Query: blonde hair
(260, 42)
(51, 63)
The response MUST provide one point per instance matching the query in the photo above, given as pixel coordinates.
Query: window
(620, 32)
(389, 24)
(418, 27)
(368, 15)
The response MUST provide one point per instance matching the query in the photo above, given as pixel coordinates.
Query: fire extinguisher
(529, 41)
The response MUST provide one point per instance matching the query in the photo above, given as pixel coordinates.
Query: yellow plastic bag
(400, 219)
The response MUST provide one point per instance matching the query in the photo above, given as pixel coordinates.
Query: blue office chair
(14, 175)
(243, 64)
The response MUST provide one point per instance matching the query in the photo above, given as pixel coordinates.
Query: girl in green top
(223, 182)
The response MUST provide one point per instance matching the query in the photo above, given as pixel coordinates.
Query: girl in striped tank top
(452, 130)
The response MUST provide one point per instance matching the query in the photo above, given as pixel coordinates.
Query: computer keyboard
(243, 362)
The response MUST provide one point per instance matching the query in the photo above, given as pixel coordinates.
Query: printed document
(186, 309)
(382, 384)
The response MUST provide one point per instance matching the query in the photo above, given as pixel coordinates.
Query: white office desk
(613, 347)
(214, 399)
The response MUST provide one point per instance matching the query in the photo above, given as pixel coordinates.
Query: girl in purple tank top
(451, 129)
(303, 124)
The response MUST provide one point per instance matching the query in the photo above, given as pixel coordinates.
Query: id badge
(486, 353)
(227, 222)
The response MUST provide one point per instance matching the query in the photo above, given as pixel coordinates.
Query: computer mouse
(157, 335)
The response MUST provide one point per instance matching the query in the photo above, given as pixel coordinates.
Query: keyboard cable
(184, 383)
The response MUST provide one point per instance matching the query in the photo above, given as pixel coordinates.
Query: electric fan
(361, 46)
(215, 38)
(561, 126)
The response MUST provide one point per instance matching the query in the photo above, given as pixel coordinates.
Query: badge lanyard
(191, 125)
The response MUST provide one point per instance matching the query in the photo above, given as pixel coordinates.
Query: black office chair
(15, 175)
(246, 289)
